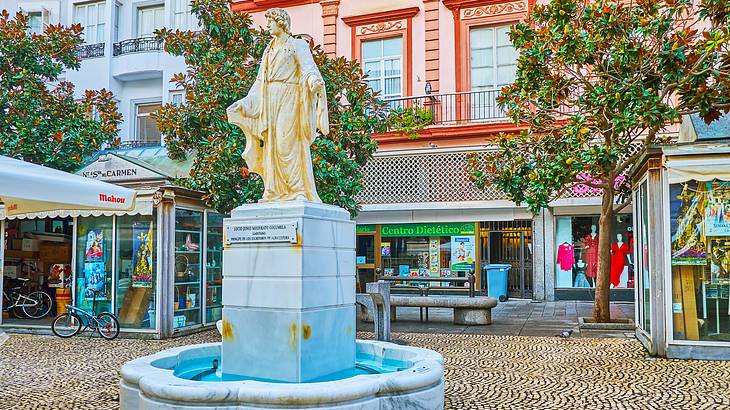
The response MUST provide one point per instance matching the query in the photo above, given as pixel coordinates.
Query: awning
(698, 167)
(143, 205)
(29, 188)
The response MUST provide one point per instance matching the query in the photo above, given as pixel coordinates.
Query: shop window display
(136, 271)
(188, 273)
(214, 268)
(700, 245)
(94, 263)
(423, 254)
(577, 252)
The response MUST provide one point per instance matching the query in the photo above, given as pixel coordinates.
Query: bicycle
(35, 305)
(69, 324)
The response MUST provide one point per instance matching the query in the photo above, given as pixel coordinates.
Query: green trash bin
(497, 281)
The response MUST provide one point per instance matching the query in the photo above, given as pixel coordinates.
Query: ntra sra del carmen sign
(443, 229)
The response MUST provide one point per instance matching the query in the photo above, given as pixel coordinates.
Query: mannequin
(619, 251)
(580, 277)
(590, 246)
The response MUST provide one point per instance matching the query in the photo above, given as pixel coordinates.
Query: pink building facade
(420, 214)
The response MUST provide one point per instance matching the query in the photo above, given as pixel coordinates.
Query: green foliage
(222, 62)
(409, 121)
(40, 119)
(598, 80)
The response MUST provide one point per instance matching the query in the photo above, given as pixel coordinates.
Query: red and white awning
(28, 188)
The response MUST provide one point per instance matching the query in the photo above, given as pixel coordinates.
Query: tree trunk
(602, 308)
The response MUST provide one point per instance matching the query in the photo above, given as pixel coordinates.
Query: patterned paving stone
(482, 372)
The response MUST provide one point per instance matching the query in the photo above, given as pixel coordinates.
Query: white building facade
(120, 53)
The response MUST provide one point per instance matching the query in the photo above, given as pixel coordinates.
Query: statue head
(279, 21)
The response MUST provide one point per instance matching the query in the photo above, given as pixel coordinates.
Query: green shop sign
(365, 228)
(445, 229)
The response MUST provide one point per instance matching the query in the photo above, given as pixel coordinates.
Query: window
(35, 23)
(177, 98)
(382, 61)
(149, 19)
(117, 11)
(94, 263)
(183, 18)
(135, 265)
(493, 59)
(576, 258)
(699, 224)
(146, 126)
(91, 17)
(642, 257)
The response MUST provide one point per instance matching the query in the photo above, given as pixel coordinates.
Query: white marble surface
(289, 310)
(149, 383)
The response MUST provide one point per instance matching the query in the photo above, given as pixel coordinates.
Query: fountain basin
(389, 376)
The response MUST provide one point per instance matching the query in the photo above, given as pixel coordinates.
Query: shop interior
(700, 260)
(576, 240)
(37, 257)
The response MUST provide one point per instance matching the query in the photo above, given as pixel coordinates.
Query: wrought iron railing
(91, 51)
(453, 108)
(137, 45)
(138, 144)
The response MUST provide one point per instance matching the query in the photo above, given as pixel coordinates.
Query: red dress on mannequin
(590, 244)
(618, 261)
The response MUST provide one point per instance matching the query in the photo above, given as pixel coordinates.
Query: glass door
(188, 268)
(94, 263)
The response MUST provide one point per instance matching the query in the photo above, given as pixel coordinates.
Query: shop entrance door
(510, 243)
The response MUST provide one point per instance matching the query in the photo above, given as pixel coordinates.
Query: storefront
(575, 258)
(682, 202)
(157, 266)
(436, 250)
(447, 249)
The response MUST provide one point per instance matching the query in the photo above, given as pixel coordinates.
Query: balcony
(137, 144)
(137, 45)
(450, 109)
(88, 51)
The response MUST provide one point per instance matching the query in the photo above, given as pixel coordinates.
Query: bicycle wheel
(42, 307)
(66, 325)
(108, 326)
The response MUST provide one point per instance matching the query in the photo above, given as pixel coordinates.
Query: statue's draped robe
(280, 117)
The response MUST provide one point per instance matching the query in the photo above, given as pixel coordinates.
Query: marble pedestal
(289, 305)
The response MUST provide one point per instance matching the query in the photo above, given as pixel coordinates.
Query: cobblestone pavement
(482, 372)
(513, 318)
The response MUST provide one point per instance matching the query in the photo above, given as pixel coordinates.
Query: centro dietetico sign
(444, 229)
(285, 231)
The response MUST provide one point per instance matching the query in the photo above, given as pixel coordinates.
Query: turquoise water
(207, 369)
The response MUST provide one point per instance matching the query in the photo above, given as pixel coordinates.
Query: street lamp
(428, 87)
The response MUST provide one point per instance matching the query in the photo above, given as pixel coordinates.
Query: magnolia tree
(222, 61)
(595, 82)
(40, 120)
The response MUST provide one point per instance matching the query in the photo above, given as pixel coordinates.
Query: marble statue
(281, 114)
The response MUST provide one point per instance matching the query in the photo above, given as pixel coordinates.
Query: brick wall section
(431, 8)
(330, 10)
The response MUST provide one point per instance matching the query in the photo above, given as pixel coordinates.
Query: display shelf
(214, 286)
(188, 309)
(187, 283)
(188, 231)
(214, 306)
(188, 252)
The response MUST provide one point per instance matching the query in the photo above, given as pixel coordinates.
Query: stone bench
(467, 311)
